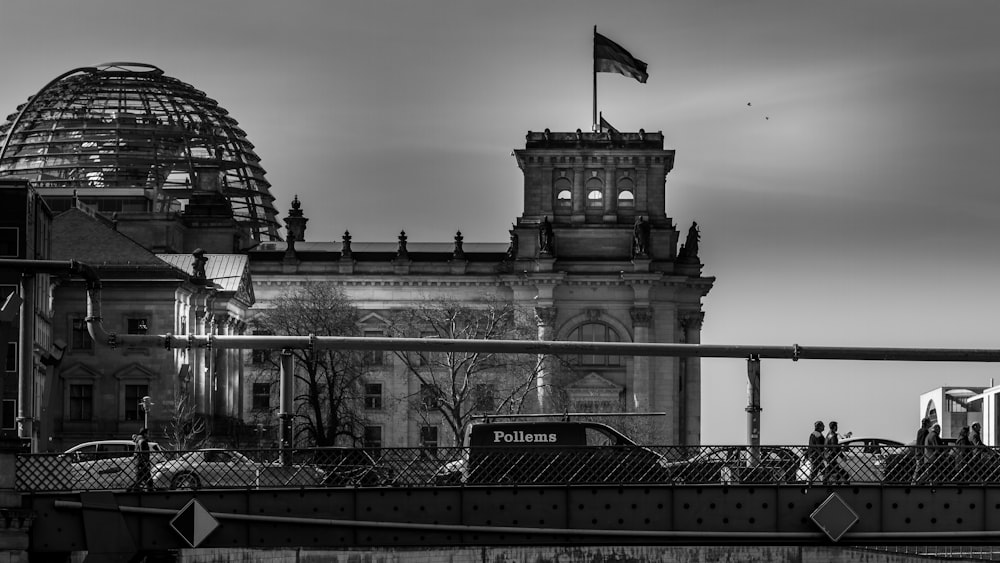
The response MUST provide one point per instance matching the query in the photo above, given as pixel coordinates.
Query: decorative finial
(345, 247)
(401, 251)
(459, 253)
(296, 210)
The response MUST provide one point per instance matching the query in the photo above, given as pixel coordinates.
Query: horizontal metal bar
(729, 535)
(793, 352)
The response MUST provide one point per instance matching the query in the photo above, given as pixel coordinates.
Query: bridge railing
(447, 466)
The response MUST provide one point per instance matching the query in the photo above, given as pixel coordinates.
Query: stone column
(546, 193)
(545, 316)
(224, 379)
(198, 362)
(642, 378)
(579, 198)
(690, 381)
(610, 194)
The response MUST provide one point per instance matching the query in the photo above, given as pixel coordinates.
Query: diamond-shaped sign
(194, 523)
(834, 517)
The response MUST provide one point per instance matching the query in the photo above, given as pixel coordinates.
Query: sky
(836, 155)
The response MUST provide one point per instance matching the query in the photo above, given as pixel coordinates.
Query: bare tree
(328, 382)
(187, 429)
(458, 385)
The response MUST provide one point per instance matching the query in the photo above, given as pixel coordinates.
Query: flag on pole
(612, 57)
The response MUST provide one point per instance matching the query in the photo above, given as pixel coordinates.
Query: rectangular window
(137, 326)
(429, 440)
(10, 362)
(133, 396)
(81, 337)
(81, 402)
(372, 438)
(9, 242)
(262, 396)
(374, 357)
(430, 396)
(8, 418)
(373, 396)
(483, 397)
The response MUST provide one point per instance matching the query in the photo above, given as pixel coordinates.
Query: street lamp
(146, 404)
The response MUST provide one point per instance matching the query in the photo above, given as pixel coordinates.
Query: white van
(107, 464)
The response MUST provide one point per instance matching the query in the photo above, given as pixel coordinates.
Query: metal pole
(146, 403)
(26, 363)
(753, 408)
(285, 405)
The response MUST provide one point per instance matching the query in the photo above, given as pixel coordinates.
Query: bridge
(610, 496)
(705, 496)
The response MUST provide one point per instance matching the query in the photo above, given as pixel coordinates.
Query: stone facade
(593, 254)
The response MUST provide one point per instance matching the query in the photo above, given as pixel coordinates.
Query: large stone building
(593, 255)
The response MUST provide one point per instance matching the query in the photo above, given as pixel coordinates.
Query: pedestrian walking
(981, 455)
(918, 449)
(962, 454)
(933, 454)
(834, 473)
(815, 451)
(143, 469)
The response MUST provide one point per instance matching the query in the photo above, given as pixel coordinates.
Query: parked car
(106, 464)
(737, 464)
(550, 452)
(345, 466)
(220, 468)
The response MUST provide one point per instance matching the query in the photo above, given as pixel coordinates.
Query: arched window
(626, 199)
(595, 199)
(595, 193)
(596, 332)
(564, 194)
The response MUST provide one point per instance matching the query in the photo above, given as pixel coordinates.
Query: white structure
(955, 407)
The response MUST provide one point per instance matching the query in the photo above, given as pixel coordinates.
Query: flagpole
(594, 66)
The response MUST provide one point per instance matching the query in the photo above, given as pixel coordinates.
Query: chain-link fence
(340, 467)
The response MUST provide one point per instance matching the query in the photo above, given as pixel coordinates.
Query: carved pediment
(135, 371)
(594, 382)
(79, 371)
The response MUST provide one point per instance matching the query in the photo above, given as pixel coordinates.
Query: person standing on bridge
(962, 454)
(834, 472)
(933, 454)
(918, 449)
(815, 451)
(143, 474)
(980, 454)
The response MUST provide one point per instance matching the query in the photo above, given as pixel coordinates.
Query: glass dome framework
(136, 139)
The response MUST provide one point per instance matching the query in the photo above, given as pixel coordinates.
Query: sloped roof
(77, 235)
(229, 272)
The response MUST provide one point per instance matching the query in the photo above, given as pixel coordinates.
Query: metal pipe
(794, 352)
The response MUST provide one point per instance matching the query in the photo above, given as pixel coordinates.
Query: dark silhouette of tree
(458, 385)
(328, 383)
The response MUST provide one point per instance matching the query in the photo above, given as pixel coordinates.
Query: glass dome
(126, 137)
